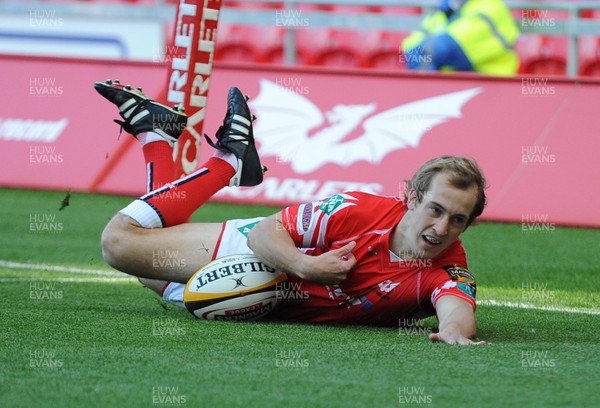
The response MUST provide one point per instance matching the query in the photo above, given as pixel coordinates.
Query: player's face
(440, 217)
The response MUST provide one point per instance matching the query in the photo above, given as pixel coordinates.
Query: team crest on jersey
(387, 286)
(463, 278)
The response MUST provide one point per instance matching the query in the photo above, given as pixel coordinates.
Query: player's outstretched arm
(271, 242)
(457, 322)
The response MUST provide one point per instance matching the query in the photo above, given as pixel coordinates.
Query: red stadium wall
(321, 132)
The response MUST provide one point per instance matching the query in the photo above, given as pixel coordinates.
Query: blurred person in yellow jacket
(465, 35)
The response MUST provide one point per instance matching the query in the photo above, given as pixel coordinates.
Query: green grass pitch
(74, 333)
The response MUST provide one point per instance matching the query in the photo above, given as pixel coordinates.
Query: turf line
(107, 279)
(117, 276)
(515, 305)
(58, 268)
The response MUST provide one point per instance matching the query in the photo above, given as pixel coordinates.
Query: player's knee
(109, 242)
(114, 243)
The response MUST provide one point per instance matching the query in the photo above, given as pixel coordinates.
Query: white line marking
(58, 268)
(515, 305)
(121, 277)
(69, 280)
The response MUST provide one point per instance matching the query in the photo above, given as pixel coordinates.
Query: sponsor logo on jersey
(460, 274)
(329, 206)
(465, 282)
(245, 229)
(466, 289)
(306, 217)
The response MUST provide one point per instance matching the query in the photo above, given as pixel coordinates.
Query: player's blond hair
(463, 172)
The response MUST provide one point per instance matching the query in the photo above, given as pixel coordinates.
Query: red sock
(160, 168)
(176, 201)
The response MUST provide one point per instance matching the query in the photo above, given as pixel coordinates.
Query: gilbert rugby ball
(234, 287)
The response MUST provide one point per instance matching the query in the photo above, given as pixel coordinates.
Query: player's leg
(136, 240)
(171, 254)
(158, 154)
(232, 240)
(154, 285)
(160, 170)
(155, 126)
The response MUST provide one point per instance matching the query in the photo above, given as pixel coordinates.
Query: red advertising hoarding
(190, 68)
(322, 132)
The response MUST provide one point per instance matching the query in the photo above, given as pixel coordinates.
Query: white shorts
(232, 241)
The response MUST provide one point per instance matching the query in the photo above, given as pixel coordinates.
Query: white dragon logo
(286, 120)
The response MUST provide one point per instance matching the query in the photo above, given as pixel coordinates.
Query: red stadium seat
(272, 41)
(396, 10)
(589, 56)
(236, 43)
(383, 50)
(542, 55)
(230, 3)
(589, 14)
(338, 48)
(252, 5)
(314, 7)
(589, 49)
(353, 9)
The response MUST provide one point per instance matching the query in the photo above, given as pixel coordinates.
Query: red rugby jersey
(381, 290)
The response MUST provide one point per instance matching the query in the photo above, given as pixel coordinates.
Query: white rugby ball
(234, 287)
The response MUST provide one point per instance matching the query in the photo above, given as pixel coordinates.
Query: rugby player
(362, 259)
